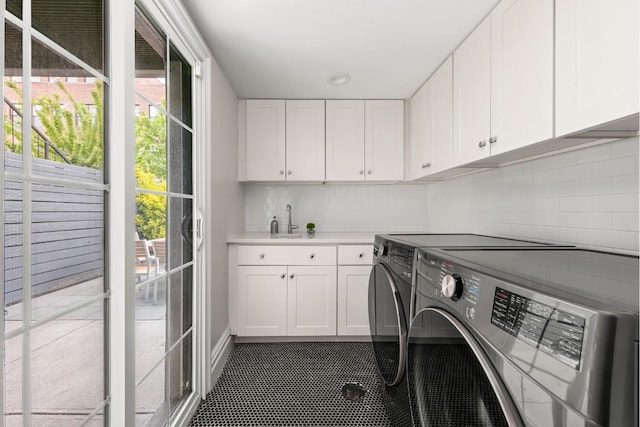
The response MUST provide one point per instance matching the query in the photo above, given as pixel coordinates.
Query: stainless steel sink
(287, 236)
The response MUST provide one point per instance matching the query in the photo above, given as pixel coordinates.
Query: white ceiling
(289, 48)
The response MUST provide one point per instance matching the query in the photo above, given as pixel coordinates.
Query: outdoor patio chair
(143, 260)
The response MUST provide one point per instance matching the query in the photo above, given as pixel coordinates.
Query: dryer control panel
(546, 328)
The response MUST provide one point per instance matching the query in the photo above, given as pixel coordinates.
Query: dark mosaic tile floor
(295, 384)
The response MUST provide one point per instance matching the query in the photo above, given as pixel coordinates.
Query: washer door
(452, 382)
(387, 323)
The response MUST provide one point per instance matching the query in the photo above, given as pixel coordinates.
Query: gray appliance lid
(436, 240)
(603, 279)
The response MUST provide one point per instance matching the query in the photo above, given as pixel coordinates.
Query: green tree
(151, 137)
(150, 208)
(77, 132)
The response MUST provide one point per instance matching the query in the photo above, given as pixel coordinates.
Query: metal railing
(43, 147)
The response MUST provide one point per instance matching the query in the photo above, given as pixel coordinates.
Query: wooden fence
(67, 243)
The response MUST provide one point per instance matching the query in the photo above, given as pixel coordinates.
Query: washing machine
(392, 304)
(536, 337)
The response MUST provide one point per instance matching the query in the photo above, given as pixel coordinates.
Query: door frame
(174, 20)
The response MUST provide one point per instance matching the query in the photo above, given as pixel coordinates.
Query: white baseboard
(219, 354)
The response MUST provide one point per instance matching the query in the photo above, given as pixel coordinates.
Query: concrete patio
(67, 358)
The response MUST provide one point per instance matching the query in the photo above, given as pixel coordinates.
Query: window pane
(67, 250)
(151, 408)
(180, 232)
(13, 380)
(77, 26)
(180, 159)
(65, 129)
(180, 371)
(13, 98)
(180, 303)
(13, 237)
(180, 87)
(67, 369)
(151, 152)
(15, 7)
(151, 321)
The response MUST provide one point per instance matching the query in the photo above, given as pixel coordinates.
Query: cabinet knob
(282, 276)
(281, 171)
(493, 139)
(423, 166)
(369, 172)
(482, 143)
(361, 172)
(289, 172)
(292, 276)
(361, 255)
(312, 256)
(261, 256)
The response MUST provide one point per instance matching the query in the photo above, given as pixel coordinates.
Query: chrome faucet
(290, 227)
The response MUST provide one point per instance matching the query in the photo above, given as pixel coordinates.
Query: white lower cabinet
(353, 309)
(262, 301)
(282, 290)
(311, 301)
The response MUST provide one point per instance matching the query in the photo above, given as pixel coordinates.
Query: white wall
(338, 207)
(226, 197)
(587, 197)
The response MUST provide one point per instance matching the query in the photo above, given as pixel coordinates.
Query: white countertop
(304, 239)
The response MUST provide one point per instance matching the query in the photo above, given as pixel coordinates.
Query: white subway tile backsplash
(616, 203)
(594, 154)
(587, 197)
(616, 167)
(625, 221)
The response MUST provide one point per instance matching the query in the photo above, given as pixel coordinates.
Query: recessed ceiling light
(339, 79)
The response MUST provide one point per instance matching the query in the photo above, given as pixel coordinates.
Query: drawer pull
(261, 256)
(282, 276)
(312, 256)
(361, 255)
(292, 276)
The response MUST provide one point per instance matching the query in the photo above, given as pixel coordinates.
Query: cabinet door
(311, 301)
(353, 304)
(440, 108)
(471, 96)
(420, 125)
(345, 140)
(521, 74)
(262, 301)
(384, 140)
(596, 62)
(265, 140)
(305, 140)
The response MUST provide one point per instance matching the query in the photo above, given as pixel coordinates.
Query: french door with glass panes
(57, 163)
(164, 233)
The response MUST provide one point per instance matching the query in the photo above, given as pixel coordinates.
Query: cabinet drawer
(286, 255)
(355, 254)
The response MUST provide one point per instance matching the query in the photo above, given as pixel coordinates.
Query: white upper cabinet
(384, 140)
(471, 96)
(305, 140)
(345, 140)
(432, 124)
(503, 81)
(284, 140)
(265, 140)
(365, 140)
(521, 74)
(596, 63)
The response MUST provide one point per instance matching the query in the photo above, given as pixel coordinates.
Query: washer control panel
(546, 328)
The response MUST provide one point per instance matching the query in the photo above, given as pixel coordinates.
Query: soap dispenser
(274, 226)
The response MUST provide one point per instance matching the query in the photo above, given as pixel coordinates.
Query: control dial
(452, 286)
